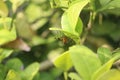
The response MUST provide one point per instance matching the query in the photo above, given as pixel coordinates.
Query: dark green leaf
(15, 64)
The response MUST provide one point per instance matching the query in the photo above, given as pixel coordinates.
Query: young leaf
(12, 75)
(71, 23)
(85, 61)
(113, 74)
(106, 67)
(3, 9)
(104, 54)
(4, 53)
(63, 61)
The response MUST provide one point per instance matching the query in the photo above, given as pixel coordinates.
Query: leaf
(104, 54)
(113, 74)
(14, 64)
(30, 71)
(59, 3)
(113, 4)
(74, 76)
(4, 53)
(3, 72)
(16, 4)
(84, 60)
(71, 23)
(3, 9)
(7, 33)
(63, 61)
(106, 67)
(12, 75)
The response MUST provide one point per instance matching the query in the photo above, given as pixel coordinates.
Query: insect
(64, 39)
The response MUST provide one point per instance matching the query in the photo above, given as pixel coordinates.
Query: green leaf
(3, 9)
(15, 64)
(113, 4)
(16, 4)
(30, 71)
(74, 76)
(71, 23)
(84, 60)
(113, 74)
(3, 72)
(7, 33)
(63, 61)
(104, 54)
(59, 3)
(4, 53)
(106, 67)
(12, 75)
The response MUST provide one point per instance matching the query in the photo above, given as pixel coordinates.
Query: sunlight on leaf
(84, 60)
(63, 62)
(3, 9)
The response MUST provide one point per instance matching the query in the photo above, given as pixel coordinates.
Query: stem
(65, 75)
(89, 25)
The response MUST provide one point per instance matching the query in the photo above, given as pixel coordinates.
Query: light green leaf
(63, 61)
(59, 3)
(12, 75)
(16, 4)
(4, 53)
(14, 64)
(7, 33)
(106, 67)
(84, 60)
(74, 76)
(70, 18)
(30, 71)
(3, 9)
(113, 74)
(104, 54)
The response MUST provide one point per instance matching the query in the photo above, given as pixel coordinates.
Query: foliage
(87, 34)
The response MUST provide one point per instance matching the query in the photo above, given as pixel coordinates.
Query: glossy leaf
(7, 33)
(85, 61)
(104, 54)
(63, 62)
(12, 75)
(4, 53)
(113, 74)
(30, 71)
(3, 9)
(104, 68)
